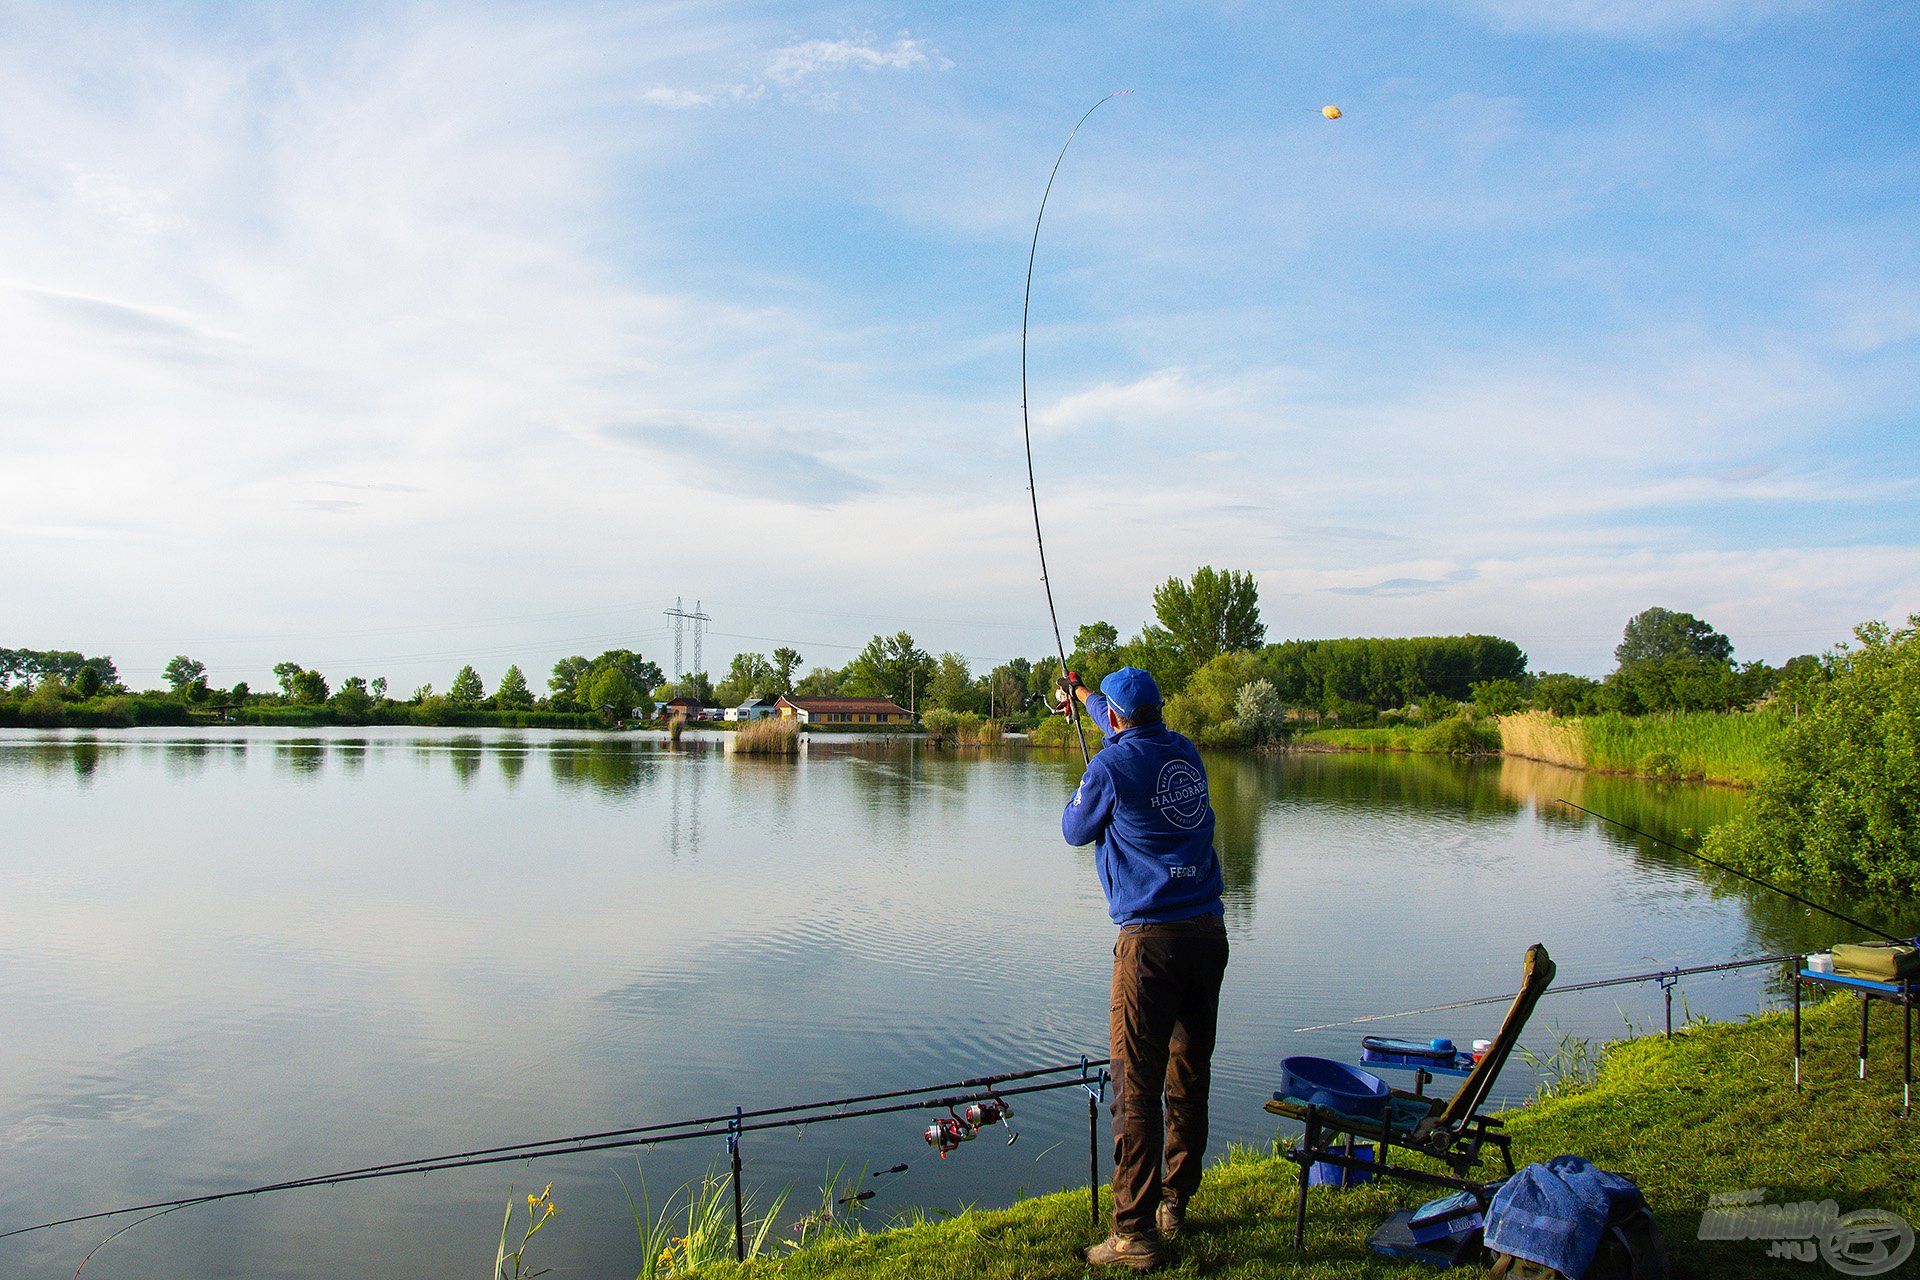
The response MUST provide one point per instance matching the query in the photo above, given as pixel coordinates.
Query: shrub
(1208, 698)
(1055, 733)
(1458, 735)
(1840, 804)
(1660, 763)
(1259, 713)
(942, 727)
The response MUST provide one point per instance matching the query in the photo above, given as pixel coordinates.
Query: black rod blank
(980, 1089)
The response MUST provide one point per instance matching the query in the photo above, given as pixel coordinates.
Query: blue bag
(1556, 1215)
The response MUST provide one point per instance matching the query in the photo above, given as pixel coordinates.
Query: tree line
(1206, 646)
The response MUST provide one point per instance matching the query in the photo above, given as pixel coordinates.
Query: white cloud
(806, 59)
(798, 70)
(678, 99)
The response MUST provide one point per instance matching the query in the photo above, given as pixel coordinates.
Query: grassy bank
(1711, 746)
(1710, 1111)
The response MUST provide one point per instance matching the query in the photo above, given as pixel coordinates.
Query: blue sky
(378, 336)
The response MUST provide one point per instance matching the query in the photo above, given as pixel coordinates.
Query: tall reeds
(772, 736)
(1724, 746)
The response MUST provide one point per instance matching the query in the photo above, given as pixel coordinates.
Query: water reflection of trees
(464, 753)
(609, 766)
(1682, 812)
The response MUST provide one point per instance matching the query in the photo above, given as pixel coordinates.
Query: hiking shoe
(1142, 1253)
(1169, 1217)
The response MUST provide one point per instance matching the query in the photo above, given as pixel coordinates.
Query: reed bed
(773, 736)
(1730, 746)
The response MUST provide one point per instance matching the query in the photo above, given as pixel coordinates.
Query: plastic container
(1448, 1219)
(1322, 1082)
(1480, 1049)
(1821, 962)
(1323, 1174)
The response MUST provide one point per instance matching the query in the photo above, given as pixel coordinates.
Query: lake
(237, 955)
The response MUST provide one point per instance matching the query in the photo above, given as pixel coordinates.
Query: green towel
(1880, 961)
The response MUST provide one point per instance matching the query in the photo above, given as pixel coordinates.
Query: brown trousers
(1166, 1000)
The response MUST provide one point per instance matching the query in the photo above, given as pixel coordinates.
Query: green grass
(1711, 1111)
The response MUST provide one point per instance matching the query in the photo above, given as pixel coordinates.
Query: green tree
(748, 676)
(891, 667)
(183, 673)
(1566, 695)
(953, 686)
(1840, 804)
(1498, 697)
(821, 682)
(239, 694)
(309, 687)
(513, 694)
(1096, 652)
(378, 688)
(1664, 634)
(1007, 687)
(284, 672)
(565, 680)
(87, 683)
(352, 697)
(786, 661)
(1208, 700)
(611, 694)
(1212, 613)
(466, 690)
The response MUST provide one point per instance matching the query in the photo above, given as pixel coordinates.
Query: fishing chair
(1452, 1130)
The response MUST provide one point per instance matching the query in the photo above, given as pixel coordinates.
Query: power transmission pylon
(681, 618)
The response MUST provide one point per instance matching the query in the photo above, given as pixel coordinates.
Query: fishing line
(1026, 426)
(1751, 879)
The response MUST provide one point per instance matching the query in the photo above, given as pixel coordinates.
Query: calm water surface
(241, 955)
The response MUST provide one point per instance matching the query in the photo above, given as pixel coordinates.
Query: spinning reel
(947, 1133)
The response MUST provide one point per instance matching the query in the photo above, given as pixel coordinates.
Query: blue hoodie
(1144, 798)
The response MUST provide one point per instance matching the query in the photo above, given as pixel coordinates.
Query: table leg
(1906, 1051)
(1796, 1024)
(1866, 1006)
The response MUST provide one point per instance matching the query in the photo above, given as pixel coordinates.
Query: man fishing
(1144, 800)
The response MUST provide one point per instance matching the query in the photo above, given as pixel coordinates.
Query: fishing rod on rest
(1751, 879)
(980, 1089)
(1658, 975)
(1026, 426)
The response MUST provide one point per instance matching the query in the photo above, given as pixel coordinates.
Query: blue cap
(1129, 689)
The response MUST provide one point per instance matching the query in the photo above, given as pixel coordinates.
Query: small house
(845, 712)
(754, 709)
(681, 709)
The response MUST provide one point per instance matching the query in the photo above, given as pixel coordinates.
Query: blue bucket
(1323, 1174)
(1322, 1082)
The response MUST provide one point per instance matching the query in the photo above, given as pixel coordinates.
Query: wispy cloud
(772, 466)
(807, 71)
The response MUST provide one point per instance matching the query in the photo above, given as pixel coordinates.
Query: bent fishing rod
(729, 1125)
(1026, 425)
(1663, 976)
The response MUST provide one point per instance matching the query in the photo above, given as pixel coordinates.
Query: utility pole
(681, 618)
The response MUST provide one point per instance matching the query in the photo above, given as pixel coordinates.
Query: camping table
(1424, 1067)
(1900, 993)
